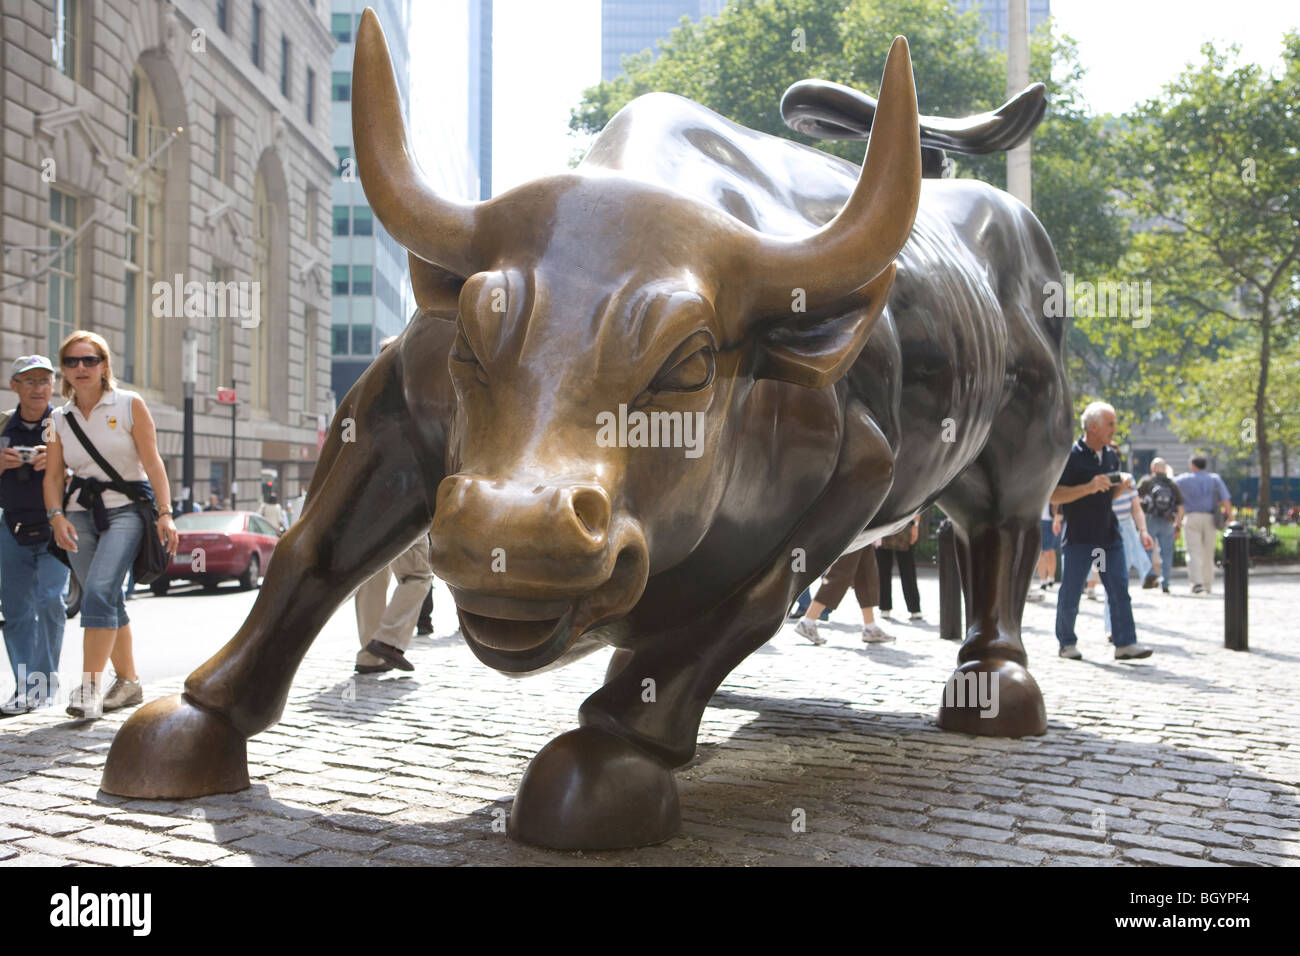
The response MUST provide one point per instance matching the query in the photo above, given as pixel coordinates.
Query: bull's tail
(825, 110)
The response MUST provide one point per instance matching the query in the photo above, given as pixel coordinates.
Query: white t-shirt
(109, 427)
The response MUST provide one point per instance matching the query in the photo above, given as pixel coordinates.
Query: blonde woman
(101, 529)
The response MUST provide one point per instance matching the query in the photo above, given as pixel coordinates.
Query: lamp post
(189, 378)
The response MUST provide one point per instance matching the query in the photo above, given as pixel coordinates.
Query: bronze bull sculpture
(844, 369)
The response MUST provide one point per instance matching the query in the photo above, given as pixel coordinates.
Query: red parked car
(218, 545)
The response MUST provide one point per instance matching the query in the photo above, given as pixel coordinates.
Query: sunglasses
(87, 361)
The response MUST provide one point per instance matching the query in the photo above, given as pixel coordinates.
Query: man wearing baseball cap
(32, 580)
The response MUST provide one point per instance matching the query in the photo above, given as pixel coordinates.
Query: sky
(548, 51)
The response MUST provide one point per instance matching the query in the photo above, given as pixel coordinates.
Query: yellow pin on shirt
(112, 423)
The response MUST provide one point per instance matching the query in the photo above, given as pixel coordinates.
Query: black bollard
(1236, 587)
(950, 603)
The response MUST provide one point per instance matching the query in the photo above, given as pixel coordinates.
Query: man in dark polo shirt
(1091, 536)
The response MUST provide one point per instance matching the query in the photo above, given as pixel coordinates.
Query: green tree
(1212, 166)
(740, 63)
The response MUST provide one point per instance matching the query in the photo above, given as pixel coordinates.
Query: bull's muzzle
(532, 566)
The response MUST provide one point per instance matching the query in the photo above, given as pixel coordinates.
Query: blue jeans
(101, 562)
(1135, 556)
(31, 589)
(1162, 529)
(1076, 561)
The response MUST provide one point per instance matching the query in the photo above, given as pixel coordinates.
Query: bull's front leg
(609, 783)
(366, 504)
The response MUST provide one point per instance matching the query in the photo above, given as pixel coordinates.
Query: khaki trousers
(392, 621)
(1198, 537)
(857, 568)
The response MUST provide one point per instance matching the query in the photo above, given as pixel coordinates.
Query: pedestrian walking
(270, 510)
(1131, 520)
(1051, 541)
(899, 546)
(1208, 507)
(1091, 540)
(102, 528)
(858, 568)
(1163, 504)
(385, 626)
(32, 580)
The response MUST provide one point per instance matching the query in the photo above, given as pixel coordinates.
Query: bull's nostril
(592, 508)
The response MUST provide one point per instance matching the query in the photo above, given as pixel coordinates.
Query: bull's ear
(818, 350)
(437, 291)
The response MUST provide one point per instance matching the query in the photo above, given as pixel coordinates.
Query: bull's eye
(462, 353)
(689, 374)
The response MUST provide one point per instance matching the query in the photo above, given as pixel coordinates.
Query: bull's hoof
(994, 698)
(173, 748)
(591, 790)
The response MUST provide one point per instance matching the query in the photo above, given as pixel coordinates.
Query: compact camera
(25, 455)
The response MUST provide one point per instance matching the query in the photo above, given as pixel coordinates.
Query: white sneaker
(1092, 594)
(887, 615)
(807, 629)
(85, 701)
(918, 616)
(874, 634)
(123, 693)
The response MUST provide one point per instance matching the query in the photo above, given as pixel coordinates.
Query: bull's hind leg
(366, 504)
(996, 512)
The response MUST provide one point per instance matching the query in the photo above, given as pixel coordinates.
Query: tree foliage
(1212, 170)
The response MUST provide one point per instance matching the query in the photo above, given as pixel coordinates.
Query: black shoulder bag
(151, 560)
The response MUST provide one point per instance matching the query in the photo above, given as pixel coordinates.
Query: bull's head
(585, 299)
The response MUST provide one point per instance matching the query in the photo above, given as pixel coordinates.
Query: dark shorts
(1050, 541)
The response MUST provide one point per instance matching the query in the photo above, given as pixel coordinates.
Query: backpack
(1160, 501)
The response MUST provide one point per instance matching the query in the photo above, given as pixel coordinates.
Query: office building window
(284, 66)
(223, 16)
(66, 32)
(62, 276)
(255, 51)
(344, 154)
(222, 151)
(311, 96)
(340, 220)
(339, 340)
(312, 202)
(259, 345)
(142, 358)
(341, 26)
(341, 85)
(363, 221)
(220, 337)
(341, 286)
(363, 337)
(309, 362)
(361, 280)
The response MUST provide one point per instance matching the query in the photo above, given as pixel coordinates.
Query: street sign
(225, 396)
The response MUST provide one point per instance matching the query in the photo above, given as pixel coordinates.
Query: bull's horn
(436, 229)
(866, 235)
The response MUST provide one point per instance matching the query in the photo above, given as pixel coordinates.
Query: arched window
(259, 337)
(142, 264)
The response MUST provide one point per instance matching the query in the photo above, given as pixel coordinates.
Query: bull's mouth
(516, 635)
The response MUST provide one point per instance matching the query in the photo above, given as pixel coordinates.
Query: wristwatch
(53, 512)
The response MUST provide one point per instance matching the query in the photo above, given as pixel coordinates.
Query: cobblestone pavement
(1191, 757)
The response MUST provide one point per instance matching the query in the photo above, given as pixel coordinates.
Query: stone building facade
(167, 166)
